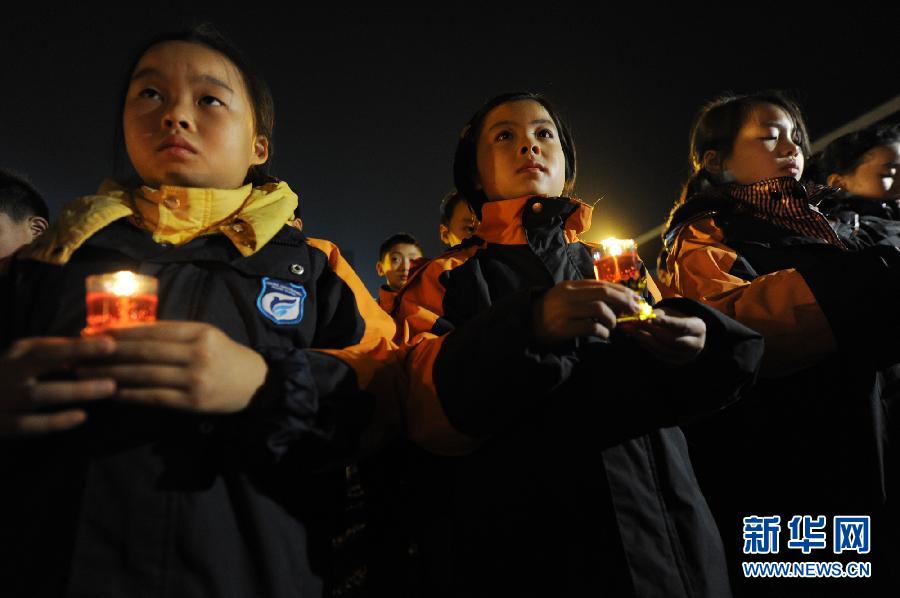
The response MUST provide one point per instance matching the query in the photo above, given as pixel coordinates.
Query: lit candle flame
(613, 246)
(124, 284)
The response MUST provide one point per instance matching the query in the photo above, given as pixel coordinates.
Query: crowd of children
(498, 422)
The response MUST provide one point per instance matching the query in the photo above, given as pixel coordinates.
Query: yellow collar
(248, 216)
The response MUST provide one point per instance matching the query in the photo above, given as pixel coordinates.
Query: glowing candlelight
(616, 260)
(119, 299)
(617, 246)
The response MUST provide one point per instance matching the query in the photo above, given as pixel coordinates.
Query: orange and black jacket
(810, 436)
(573, 480)
(144, 501)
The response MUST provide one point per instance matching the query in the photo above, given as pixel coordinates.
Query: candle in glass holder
(616, 260)
(119, 299)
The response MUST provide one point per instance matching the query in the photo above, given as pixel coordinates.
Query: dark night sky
(368, 106)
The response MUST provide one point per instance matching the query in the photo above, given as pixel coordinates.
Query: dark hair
(19, 199)
(448, 205)
(465, 161)
(716, 127)
(207, 35)
(844, 154)
(397, 239)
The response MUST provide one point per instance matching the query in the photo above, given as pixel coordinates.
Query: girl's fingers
(606, 317)
(654, 347)
(160, 397)
(41, 423)
(678, 352)
(620, 299)
(70, 390)
(682, 336)
(171, 331)
(599, 330)
(162, 376)
(39, 355)
(587, 328)
(677, 326)
(677, 322)
(594, 310)
(152, 351)
(672, 338)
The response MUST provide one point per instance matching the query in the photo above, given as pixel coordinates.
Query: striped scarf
(786, 203)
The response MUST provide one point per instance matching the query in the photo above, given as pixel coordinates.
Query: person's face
(14, 235)
(519, 153)
(766, 147)
(395, 264)
(876, 176)
(463, 225)
(188, 119)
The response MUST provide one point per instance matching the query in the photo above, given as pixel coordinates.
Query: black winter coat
(150, 502)
(580, 483)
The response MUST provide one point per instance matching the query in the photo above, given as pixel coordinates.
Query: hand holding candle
(182, 365)
(574, 308)
(671, 336)
(192, 366)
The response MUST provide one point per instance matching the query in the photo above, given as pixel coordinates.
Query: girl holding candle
(562, 472)
(747, 239)
(203, 455)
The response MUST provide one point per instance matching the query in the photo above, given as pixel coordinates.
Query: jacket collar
(783, 202)
(502, 222)
(248, 216)
(386, 298)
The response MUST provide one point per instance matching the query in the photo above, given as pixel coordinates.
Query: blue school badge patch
(281, 302)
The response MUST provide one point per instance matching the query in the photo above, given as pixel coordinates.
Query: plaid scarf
(786, 203)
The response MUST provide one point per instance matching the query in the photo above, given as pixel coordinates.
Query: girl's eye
(211, 101)
(503, 136)
(545, 133)
(149, 93)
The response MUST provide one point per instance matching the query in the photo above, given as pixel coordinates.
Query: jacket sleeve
(328, 402)
(479, 377)
(811, 302)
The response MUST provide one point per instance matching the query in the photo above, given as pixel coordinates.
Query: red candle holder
(119, 299)
(616, 260)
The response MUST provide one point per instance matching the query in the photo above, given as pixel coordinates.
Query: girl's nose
(534, 149)
(791, 148)
(170, 124)
(176, 117)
